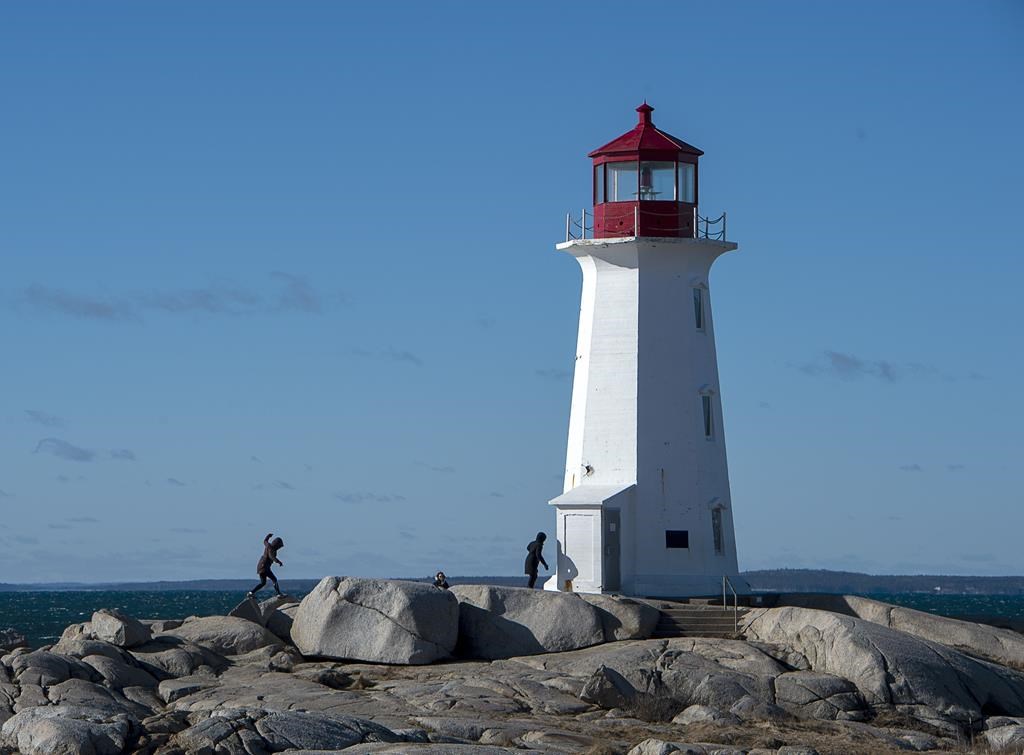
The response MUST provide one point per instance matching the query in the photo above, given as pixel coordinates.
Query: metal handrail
(735, 603)
(713, 229)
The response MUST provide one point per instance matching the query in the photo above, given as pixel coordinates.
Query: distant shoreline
(767, 580)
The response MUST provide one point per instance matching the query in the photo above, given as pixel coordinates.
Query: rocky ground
(367, 666)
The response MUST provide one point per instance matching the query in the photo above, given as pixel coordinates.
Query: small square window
(698, 308)
(709, 416)
(677, 538)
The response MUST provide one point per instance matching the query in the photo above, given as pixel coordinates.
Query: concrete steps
(695, 620)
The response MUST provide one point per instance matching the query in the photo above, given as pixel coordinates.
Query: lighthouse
(645, 508)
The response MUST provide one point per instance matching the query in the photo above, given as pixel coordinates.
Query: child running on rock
(269, 557)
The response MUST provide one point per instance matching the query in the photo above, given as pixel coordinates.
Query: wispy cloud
(495, 494)
(124, 454)
(84, 519)
(838, 364)
(188, 530)
(555, 375)
(255, 459)
(64, 450)
(368, 498)
(59, 526)
(441, 468)
(275, 485)
(44, 418)
(5, 494)
(175, 483)
(292, 293)
(911, 468)
(390, 354)
(954, 467)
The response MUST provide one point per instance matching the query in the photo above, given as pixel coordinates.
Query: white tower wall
(638, 463)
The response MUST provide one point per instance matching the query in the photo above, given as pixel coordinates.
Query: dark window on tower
(677, 538)
(716, 529)
(709, 421)
(599, 184)
(698, 308)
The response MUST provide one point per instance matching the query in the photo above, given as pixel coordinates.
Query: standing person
(270, 549)
(534, 556)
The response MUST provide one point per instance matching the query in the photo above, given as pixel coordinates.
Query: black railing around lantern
(581, 226)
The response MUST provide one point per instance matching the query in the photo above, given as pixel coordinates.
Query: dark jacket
(270, 549)
(534, 555)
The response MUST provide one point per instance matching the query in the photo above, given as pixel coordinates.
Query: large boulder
(119, 674)
(503, 622)
(45, 668)
(1004, 646)
(281, 620)
(225, 635)
(382, 621)
(166, 656)
(119, 629)
(622, 618)
(66, 730)
(810, 694)
(890, 667)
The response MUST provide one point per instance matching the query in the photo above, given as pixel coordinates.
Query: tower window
(677, 538)
(716, 529)
(599, 171)
(698, 307)
(656, 181)
(621, 184)
(684, 179)
(709, 417)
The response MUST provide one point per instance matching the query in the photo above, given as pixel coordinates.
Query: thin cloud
(390, 354)
(911, 468)
(276, 485)
(123, 454)
(255, 459)
(59, 526)
(837, 364)
(442, 469)
(555, 375)
(44, 418)
(5, 494)
(84, 519)
(495, 494)
(954, 467)
(188, 530)
(64, 450)
(175, 483)
(293, 294)
(368, 498)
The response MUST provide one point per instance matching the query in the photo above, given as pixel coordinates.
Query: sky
(291, 268)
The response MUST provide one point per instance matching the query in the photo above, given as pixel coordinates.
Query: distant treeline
(767, 580)
(822, 580)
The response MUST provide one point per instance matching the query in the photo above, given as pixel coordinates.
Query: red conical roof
(645, 137)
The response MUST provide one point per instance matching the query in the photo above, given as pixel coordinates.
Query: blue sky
(292, 268)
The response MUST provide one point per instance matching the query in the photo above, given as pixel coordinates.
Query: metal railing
(726, 582)
(713, 229)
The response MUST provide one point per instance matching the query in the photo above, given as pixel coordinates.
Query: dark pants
(264, 576)
(533, 579)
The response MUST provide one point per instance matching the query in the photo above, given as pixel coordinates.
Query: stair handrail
(735, 603)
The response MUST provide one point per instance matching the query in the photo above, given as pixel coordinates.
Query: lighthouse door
(611, 550)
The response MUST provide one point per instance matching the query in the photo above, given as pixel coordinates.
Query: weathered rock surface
(815, 695)
(382, 621)
(118, 629)
(45, 668)
(992, 643)
(623, 618)
(118, 674)
(166, 656)
(890, 667)
(11, 638)
(225, 635)
(66, 730)
(280, 622)
(502, 622)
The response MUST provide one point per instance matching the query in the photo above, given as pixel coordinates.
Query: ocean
(42, 616)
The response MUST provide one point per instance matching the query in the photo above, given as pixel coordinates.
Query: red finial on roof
(645, 111)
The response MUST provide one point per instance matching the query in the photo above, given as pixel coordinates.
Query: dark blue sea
(42, 616)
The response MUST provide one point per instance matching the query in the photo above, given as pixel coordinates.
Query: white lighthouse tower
(646, 509)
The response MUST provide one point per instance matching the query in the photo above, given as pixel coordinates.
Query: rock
(225, 635)
(78, 693)
(890, 667)
(66, 730)
(1003, 646)
(11, 638)
(655, 747)
(248, 609)
(750, 707)
(1006, 738)
(162, 625)
(810, 694)
(381, 621)
(502, 622)
(119, 674)
(622, 618)
(44, 668)
(174, 689)
(608, 688)
(796, 750)
(118, 629)
(281, 620)
(81, 646)
(167, 656)
(700, 714)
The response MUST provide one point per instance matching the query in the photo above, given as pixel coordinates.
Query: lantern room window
(657, 181)
(621, 182)
(684, 180)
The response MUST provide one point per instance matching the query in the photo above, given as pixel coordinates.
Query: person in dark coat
(535, 557)
(269, 557)
(440, 580)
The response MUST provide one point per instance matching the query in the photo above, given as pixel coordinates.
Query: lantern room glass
(684, 180)
(621, 182)
(657, 181)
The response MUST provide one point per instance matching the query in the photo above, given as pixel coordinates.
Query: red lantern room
(645, 183)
